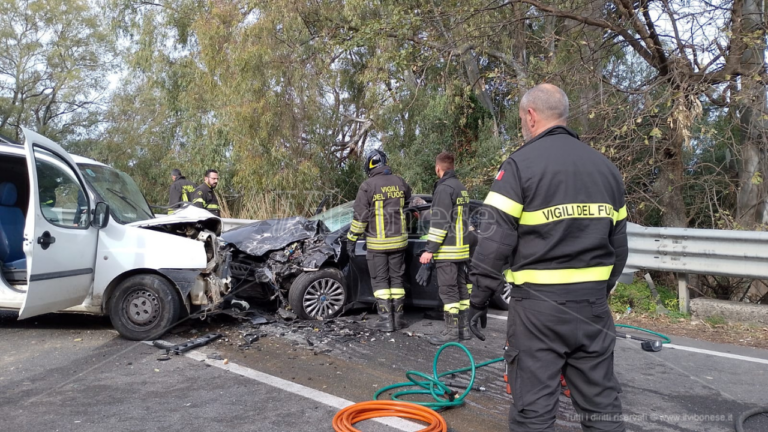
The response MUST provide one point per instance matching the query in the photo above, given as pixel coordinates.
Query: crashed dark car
(304, 262)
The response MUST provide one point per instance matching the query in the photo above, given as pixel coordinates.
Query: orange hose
(344, 419)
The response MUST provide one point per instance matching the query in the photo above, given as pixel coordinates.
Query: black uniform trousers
(387, 270)
(575, 337)
(452, 284)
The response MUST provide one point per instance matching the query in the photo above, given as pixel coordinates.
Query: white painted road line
(685, 348)
(717, 353)
(298, 389)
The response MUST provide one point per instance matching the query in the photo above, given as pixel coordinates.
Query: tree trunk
(751, 209)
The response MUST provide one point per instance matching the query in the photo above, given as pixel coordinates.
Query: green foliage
(638, 296)
(715, 320)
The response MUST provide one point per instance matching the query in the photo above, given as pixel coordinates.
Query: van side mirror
(100, 215)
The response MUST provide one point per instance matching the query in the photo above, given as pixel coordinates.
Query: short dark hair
(176, 172)
(208, 172)
(446, 160)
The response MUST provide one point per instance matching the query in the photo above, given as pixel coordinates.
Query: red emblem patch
(500, 175)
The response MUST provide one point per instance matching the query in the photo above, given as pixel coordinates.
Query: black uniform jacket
(378, 211)
(180, 190)
(204, 198)
(449, 220)
(556, 222)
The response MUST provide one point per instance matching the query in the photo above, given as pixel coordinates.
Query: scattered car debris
(188, 345)
(215, 356)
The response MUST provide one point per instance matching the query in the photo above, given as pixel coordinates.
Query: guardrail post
(683, 298)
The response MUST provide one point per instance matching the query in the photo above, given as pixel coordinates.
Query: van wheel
(501, 300)
(144, 307)
(318, 295)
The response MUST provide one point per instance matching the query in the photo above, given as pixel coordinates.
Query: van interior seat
(11, 234)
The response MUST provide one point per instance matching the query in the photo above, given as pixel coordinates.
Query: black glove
(478, 314)
(351, 248)
(424, 274)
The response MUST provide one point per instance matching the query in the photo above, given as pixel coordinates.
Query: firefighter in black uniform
(203, 195)
(557, 223)
(378, 213)
(180, 190)
(447, 244)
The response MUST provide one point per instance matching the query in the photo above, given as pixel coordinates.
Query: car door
(59, 242)
(418, 226)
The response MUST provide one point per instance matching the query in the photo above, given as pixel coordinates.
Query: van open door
(59, 242)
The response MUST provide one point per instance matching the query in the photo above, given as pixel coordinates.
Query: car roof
(10, 146)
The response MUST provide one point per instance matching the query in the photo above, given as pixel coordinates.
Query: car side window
(63, 201)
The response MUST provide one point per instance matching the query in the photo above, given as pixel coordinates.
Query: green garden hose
(443, 396)
(431, 385)
(664, 338)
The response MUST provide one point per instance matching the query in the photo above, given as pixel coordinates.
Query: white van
(78, 236)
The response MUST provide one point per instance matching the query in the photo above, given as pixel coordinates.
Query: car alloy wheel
(323, 298)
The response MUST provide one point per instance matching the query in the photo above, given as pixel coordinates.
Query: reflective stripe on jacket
(204, 198)
(378, 211)
(449, 220)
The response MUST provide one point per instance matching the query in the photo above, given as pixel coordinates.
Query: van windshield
(126, 203)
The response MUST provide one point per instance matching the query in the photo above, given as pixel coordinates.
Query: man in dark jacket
(447, 244)
(378, 213)
(179, 191)
(557, 220)
(204, 197)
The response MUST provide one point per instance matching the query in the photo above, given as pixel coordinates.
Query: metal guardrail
(697, 251)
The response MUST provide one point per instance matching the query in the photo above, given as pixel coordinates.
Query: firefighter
(447, 244)
(204, 197)
(378, 213)
(557, 222)
(179, 191)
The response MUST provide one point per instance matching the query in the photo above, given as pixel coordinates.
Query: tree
(55, 57)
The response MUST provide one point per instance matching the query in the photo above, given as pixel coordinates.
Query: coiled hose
(442, 395)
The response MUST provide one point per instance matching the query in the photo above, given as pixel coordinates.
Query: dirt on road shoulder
(694, 328)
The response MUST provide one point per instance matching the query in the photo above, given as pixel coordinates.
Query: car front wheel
(144, 307)
(318, 295)
(501, 300)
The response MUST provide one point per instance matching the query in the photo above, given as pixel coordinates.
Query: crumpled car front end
(266, 256)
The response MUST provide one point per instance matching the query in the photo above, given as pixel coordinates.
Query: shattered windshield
(126, 203)
(337, 217)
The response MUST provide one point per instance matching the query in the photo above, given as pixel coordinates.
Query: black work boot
(384, 323)
(451, 332)
(464, 332)
(397, 311)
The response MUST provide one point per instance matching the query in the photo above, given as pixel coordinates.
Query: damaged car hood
(184, 216)
(259, 238)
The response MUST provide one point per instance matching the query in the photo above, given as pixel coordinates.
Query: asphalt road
(72, 372)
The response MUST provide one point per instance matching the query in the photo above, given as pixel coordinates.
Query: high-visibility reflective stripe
(352, 237)
(459, 229)
(453, 249)
(379, 219)
(469, 288)
(358, 227)
(622, 214)
(451, 307)
(504, 204)
(396, 293)
(402, 220)
(559, 276)
(382, 294)
(200, 200)
(437, 232)
(460, 256)
(385, 247)
(388, 239)
(570, 211)
(464, 305)
(212, 206)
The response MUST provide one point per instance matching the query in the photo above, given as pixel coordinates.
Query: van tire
(328, 282)
(144, 307)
